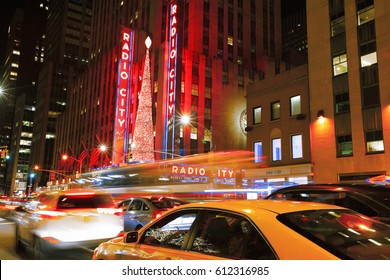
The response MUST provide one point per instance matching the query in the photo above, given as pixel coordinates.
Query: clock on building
(243, 121)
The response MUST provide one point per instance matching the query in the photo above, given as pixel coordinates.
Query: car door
(130, 216)
(226, 235)
(145, 215)
(163, 239)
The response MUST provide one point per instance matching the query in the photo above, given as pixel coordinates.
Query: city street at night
(232, 134)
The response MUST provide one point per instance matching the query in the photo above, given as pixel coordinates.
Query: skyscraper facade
(66, 57)
(24, 59)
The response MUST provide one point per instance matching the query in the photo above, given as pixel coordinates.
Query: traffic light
(36, 167)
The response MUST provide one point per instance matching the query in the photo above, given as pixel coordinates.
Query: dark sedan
(371, 200)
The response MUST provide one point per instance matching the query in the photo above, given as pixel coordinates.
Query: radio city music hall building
(202, 57)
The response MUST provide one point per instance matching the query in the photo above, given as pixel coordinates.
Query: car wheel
(37, 252)
(19, 246)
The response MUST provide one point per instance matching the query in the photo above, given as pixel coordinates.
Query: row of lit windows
(369, 78)
(276, 148)
(295, 109)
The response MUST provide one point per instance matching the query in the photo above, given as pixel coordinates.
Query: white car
(68, 219)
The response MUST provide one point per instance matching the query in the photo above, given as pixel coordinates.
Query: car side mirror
(131, 237)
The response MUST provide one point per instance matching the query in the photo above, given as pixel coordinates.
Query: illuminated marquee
(188, 170)
(172, 60)
(201, 171)
(123, 95)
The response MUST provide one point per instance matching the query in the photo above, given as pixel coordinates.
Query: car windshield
(344, 233)
(85, 201)
(382, 197)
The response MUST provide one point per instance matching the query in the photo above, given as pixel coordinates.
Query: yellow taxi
(253, 230)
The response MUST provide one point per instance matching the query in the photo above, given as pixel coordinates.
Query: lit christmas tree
(143, 138)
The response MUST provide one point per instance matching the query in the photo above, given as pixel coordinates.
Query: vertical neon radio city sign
(172, 61)
(172, 65)
(121, 129)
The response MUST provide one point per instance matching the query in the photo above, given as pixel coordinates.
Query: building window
(342, 103)
(344, 145)
(369, 75)
(257, 115)
(276, 149)
(296, 146)
(194, 133)
(374, 141)
(337, 26)
(370, 96)
(275, 110)
(368, 59)
(230, 40)
(336, 8)
(295, 105)
(340, 64)
(366, 15)
(258, 151)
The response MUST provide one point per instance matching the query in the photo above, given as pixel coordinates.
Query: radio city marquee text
(201, 171)
(124, 78)
(172, 61)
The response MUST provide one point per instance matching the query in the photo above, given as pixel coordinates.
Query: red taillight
(45, 214)
(157, 214)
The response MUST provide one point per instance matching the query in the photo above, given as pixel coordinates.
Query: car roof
(363, 188)
(250, 206)
(154, 197)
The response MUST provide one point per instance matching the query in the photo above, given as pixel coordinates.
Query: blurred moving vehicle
(138, 211)
(9, 204)
(370, 200)
(255, 230)
(68, 219)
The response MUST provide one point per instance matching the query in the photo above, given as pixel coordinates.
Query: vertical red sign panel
(171, 77)
(172, 60)
(120, 141)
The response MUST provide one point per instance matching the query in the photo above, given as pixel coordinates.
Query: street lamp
(186, 120)
(30, 186)
(79, 162)
(103, 148)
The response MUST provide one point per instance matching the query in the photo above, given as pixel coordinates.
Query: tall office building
(348, 80)
(24, 59)
(294, 36)
(66, 57)
(340, 131)
(203, 56)
(7, 97)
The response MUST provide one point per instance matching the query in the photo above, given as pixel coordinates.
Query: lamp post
(79, 162)
(30, 186)
(186, 120)
(38, 169)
